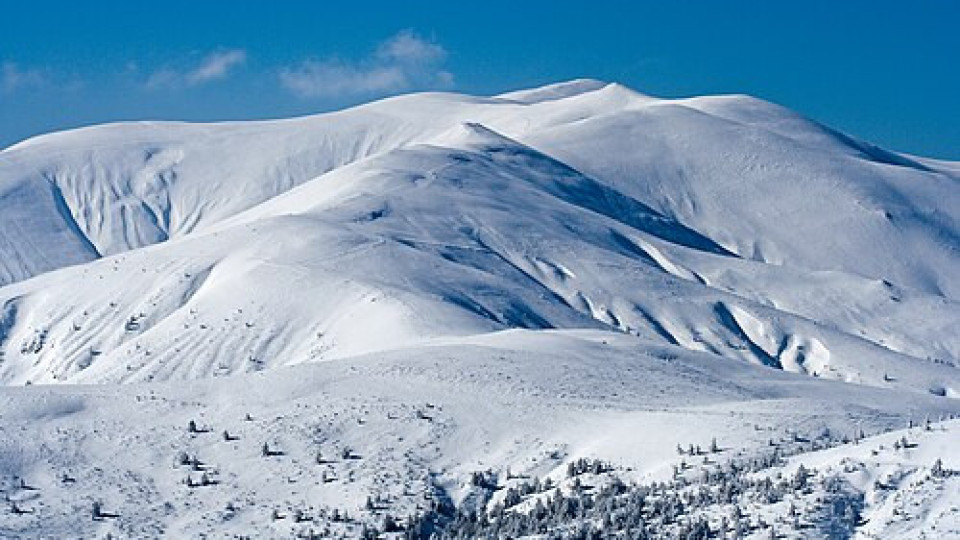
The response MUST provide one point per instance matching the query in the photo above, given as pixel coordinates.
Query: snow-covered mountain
(763, 182)
(572, 248)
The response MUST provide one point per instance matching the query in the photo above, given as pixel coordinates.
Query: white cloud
(13, 77)
(163, 78)
(406, 47)
(404, 61)
(214, 66)
(332, 78)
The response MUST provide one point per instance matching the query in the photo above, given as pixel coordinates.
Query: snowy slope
(422, 242)
(773, 187)
(417, 421)
(107, 189)
(905, 496)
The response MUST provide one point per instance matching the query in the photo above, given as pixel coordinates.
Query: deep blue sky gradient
(888, 72)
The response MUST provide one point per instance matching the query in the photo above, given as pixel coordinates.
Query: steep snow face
(38, 231)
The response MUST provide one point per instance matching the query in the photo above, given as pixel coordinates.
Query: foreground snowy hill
(275, 454)
(431, 299)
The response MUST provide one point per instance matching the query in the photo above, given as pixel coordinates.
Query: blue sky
(888, 72)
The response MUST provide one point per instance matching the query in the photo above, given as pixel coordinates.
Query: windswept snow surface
(448, 284)
(418, 421)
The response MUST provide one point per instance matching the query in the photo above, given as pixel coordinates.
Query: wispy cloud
(13, 77)
(214, 66)
(407, 48)
(402, 62)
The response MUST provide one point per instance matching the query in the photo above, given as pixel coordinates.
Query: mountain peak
(469, 133)
(555, 91)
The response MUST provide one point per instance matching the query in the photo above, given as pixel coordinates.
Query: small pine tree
(937, 470)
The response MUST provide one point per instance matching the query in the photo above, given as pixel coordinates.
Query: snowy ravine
(573, 311)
